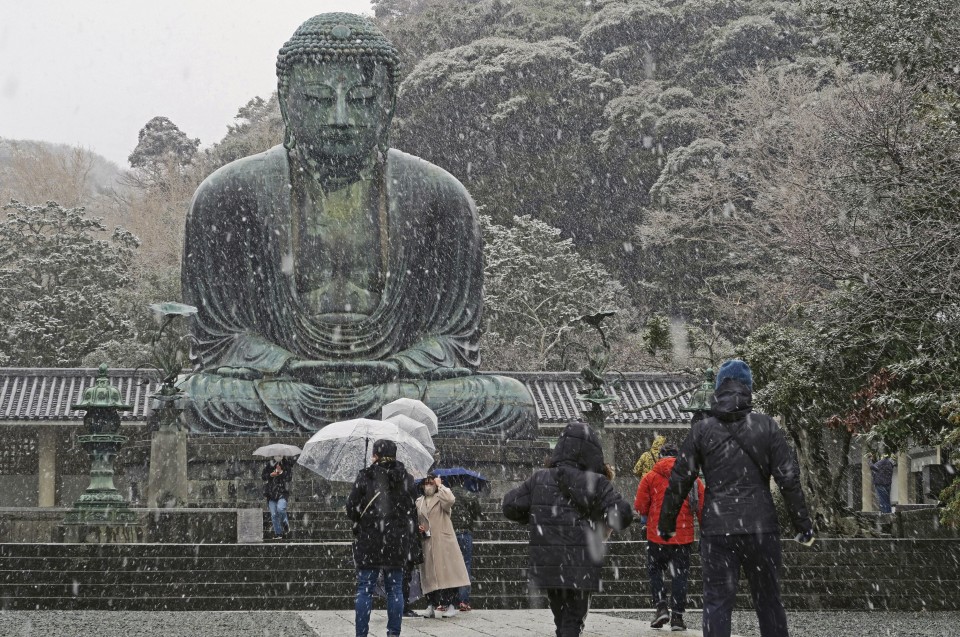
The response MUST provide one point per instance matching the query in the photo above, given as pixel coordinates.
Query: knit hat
(384, 448)
(669, 450)
(737, 370)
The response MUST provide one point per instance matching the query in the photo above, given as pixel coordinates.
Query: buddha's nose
(341, 114)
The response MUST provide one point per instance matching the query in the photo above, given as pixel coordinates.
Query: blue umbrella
(470, 480)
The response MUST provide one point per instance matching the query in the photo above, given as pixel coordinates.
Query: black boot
(661, 616)
(676, 622)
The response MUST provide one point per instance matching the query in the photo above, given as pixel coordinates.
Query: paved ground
(533, 623)
(474, 624)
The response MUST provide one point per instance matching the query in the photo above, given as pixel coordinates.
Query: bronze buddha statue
(333, 274)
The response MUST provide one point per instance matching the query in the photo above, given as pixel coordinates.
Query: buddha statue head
(337, 83)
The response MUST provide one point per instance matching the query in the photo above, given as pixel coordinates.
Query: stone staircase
(897, 574)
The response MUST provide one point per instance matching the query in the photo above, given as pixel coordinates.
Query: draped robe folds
(238, 270)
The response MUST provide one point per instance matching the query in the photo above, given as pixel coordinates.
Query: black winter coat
(276, 486)
(566, 508)
(382, 508)
(738, 499)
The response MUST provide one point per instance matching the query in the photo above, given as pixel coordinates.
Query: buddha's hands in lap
(343, 373)
(240, 373)
(442, 373)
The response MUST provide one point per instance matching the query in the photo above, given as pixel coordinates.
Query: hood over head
(657, 443)
(732, 401)
(580, 446)
(664, 466)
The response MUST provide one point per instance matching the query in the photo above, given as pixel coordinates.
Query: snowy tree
(896, 36)
(419, 28)
(536, 286)
(58, 279)
(257, 127)
(514, 121)
(162, 155)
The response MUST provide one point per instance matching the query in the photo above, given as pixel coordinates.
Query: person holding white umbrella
(381, 506)
(277, 475)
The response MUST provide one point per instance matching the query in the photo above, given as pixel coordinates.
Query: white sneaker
(450, 612)
(429, 612)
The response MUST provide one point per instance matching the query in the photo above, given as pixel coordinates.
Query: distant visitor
(334, 274)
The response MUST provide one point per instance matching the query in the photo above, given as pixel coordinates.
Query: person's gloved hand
(807, 538)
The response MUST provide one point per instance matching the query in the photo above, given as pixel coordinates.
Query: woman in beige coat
(443, 571)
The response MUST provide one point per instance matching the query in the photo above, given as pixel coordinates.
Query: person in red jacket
(675, 552)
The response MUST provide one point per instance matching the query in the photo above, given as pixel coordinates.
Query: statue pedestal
(504, 464)
(92, 533)
(167, 486)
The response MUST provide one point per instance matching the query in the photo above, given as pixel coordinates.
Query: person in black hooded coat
(568, 507)
(381, 507)
(739, 451)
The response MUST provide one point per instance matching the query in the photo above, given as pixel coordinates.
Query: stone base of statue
(107, 533)
(221, 471)
(168, 475)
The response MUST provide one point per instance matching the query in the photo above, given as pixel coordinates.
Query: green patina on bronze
(333, 274)
(101, 503)
(594, 394)
(700, 398)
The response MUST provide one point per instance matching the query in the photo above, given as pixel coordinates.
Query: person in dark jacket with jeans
(277, 475)
(739, 452)
(381, 507)
(464, 518)
(882, 474)
(567, 508)
(671, 555)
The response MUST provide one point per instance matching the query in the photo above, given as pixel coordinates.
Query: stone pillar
(903, 478)
(167, 485)
(866, 482)
(610, 449)
(47, 467)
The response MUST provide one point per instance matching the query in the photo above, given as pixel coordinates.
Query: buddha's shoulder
(268, 166)
(412, 169)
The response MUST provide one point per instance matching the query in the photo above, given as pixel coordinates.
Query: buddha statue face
(339, 111)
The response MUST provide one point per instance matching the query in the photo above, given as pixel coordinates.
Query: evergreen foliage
(58, 278)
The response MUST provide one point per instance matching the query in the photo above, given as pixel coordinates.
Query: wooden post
(903, 478)
(47, 467)
(866, 482)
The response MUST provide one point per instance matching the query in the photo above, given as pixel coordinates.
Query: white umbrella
(278, 449)
(341, 449)
(415, 428)
(413, 409)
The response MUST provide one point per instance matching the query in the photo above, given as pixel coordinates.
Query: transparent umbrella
(413, 409)
(341, 449)
(415, 428)
(277, 449)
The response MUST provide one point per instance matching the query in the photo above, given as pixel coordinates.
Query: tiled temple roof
(46, 394)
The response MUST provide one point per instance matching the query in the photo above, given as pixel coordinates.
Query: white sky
(93, 72)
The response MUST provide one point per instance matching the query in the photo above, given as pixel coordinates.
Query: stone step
(313, 576)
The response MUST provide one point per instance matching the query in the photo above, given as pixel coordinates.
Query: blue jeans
(883, 497)
(674, 558)
(278, 515)
(465, 540)
(393, 583)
